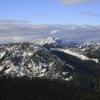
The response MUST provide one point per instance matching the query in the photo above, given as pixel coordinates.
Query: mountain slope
(50, 62)
(26, 59)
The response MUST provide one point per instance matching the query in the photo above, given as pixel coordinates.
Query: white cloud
(54, 31)
(73, 1)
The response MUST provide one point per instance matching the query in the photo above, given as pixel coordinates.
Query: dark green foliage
(43, 89)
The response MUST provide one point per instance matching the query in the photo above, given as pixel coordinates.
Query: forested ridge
(44, 89)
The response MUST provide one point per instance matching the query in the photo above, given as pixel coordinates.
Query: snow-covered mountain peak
(90, 46)
(50, 41)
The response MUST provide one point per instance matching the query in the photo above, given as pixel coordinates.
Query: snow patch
(69, 78)
(80, 56)
(2, 54)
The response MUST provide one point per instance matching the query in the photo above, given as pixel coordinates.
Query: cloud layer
(16, 31)
(73, 1)
(87, 13)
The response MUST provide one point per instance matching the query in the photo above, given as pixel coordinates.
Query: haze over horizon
(30, 20)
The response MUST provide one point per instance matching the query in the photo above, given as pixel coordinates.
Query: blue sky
(51, 11)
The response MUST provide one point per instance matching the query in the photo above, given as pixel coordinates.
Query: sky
(32, 18)
(51, 11)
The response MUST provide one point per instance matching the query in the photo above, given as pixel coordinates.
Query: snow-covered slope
(26, 59)
(76, 54)
(90, 45)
